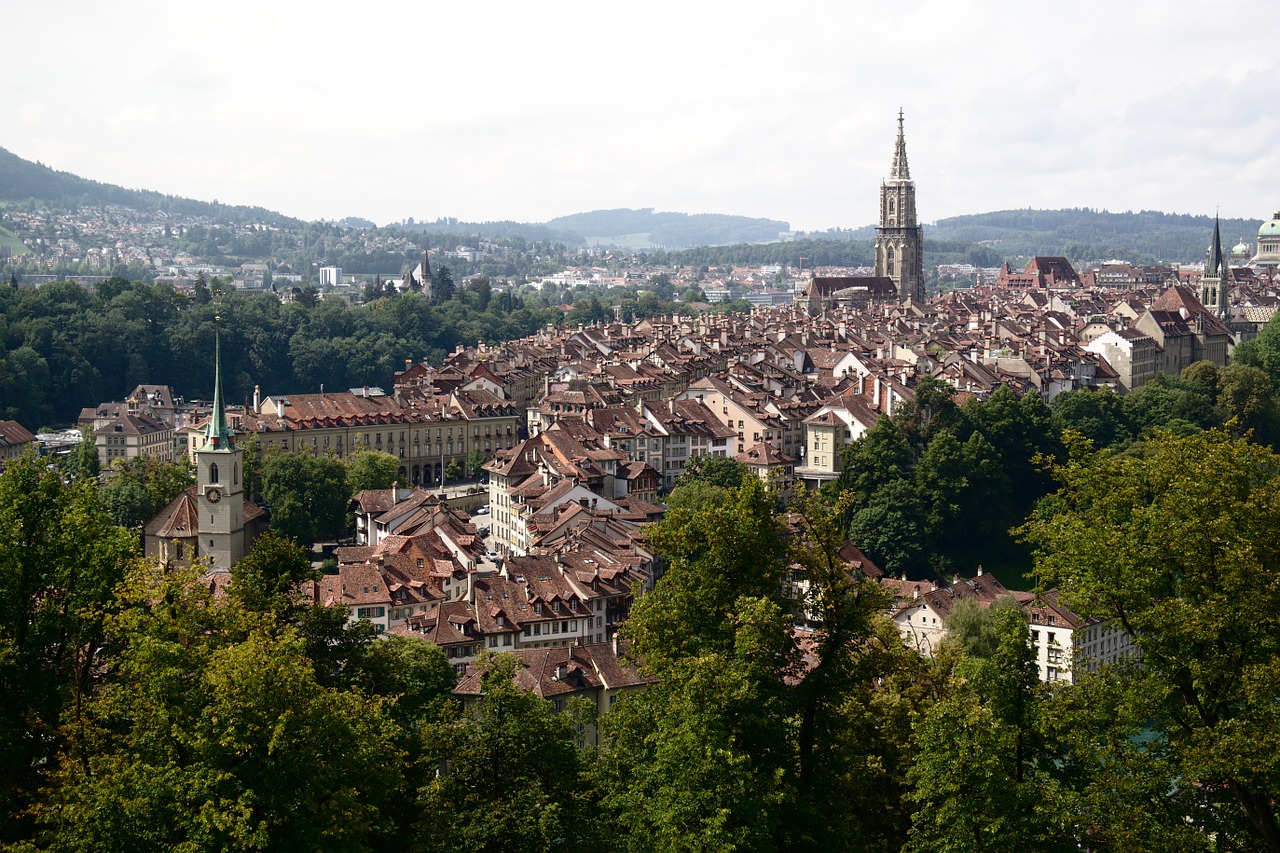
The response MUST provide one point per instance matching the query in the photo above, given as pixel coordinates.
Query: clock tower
(219, 480)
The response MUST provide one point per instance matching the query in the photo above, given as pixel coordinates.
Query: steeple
(1216, 259)
(899, 236)
(219, 435)
(1215, 283)
(900, 170)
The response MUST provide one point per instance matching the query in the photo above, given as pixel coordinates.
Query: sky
(526, 111)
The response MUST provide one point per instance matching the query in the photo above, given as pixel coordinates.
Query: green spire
(219, 435)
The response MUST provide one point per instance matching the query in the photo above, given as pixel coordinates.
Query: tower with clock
(219, 481)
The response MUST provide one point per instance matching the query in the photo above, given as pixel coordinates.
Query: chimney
(979, 571)
(257, 399)
(616, 644)
(561, 671)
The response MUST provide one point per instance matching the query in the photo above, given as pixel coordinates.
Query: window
(370, 612)
(213, 472)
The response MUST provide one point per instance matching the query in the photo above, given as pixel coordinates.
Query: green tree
(83, 463)
(214, 734)
(371, 469)
(511, 775)
(977, 780)
(140, 487)
(60, 557)
(1246, 402)
(707, 745)
(475, 461)
(307, 495)
(1178, 546)
(722, 471)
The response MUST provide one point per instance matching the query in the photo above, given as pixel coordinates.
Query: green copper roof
(220, 435)
(1272, 228)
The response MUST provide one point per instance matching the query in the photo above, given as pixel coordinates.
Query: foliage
(60, 556)
(371, 469)
(1178, 546)
(215, 734)
(84, 463)
(140, 487)
(722, 471)
(307, 495)
(512, 775)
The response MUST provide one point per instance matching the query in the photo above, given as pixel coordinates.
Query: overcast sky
(527, 111)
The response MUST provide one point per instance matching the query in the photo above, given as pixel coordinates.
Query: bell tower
(1215, 284)
(219, 479)
(899, 236)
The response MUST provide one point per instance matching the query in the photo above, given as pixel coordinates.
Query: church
(899, 264)
(212, 519)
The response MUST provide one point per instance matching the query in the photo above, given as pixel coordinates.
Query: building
(211, 519)
(596, 672)
(899, 235)
(1133, 355)
(1216, 281)
(130, 436)
(15, 440)
(330, 276)
(1268, 256)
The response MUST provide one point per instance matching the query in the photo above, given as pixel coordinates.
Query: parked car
(484, 510)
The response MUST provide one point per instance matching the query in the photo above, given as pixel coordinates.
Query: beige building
(130, 436)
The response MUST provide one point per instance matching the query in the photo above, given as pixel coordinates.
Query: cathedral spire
(219, 435)
(900, 170)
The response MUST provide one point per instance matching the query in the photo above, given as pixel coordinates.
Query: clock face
(213, 495)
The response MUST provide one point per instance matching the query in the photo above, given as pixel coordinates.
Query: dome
(1240, 250)
(1272, 228)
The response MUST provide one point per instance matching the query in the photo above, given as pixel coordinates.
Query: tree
(268, 578)
(510, 779)
(442, 285)
(475, 461)
(722, 471)
(452, 470)
(1246, 402)
(707, 745)
(1178, 545)
(84, 463)
(371, 469)
(215, 734)
(307, 495)
(60, 557)
(977, 780)
(140, 487)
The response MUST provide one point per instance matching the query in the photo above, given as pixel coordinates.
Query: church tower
(219, 484)
(899, 236)
(1216, 281)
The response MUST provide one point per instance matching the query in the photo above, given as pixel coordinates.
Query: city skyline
(515, 112)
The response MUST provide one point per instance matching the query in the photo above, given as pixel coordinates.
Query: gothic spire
(219, 435)
(1216, 262)
(900, 170)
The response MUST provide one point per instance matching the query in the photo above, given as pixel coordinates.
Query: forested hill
(646, 228)
(1088, 234)
(22, 180)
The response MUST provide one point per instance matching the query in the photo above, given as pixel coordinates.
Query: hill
(1085, 234)
(645, 228)
(22, 180)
